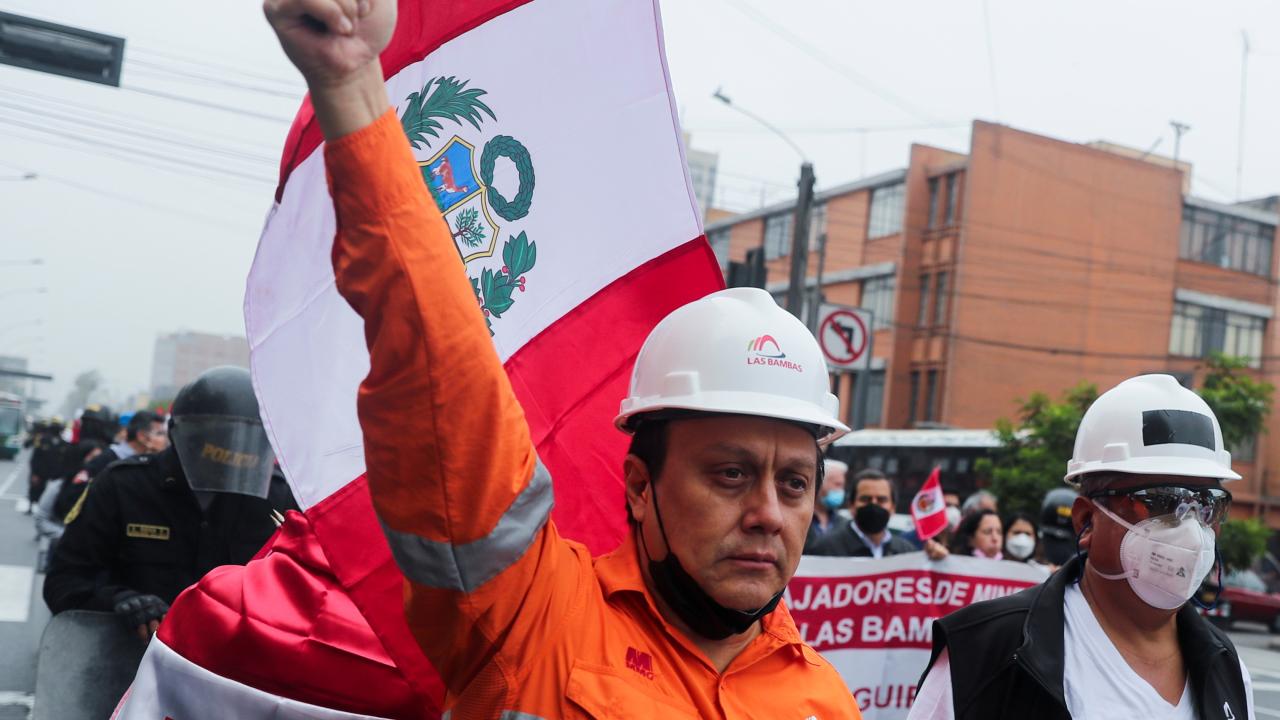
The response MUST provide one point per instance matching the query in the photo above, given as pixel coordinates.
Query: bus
(12, 424)
(910, 455)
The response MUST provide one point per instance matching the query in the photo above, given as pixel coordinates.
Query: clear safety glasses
(1209, 505)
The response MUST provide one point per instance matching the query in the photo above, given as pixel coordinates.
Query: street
(23, 614)
(22, 611)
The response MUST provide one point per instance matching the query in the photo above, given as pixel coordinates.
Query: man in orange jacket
(729, 408)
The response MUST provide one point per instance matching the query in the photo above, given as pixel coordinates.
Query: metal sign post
(845, 335)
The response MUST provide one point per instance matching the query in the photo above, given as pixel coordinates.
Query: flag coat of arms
(547, 135)
(929, 508)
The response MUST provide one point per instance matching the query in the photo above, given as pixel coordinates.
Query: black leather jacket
(1007, 656)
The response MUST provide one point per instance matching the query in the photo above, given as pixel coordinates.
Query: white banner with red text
(873, 618)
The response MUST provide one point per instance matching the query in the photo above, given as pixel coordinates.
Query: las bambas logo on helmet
(462, 185)
(765, 350)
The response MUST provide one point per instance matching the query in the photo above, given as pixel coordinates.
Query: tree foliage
(86, 385)
(1241, 541)
(1240, 402)
(1032, 456)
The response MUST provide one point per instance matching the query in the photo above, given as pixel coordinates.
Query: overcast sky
(151, 197)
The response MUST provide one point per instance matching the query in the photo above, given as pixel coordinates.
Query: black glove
(137, 609)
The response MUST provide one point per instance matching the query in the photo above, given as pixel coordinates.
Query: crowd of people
(853, 520)
(137, 507)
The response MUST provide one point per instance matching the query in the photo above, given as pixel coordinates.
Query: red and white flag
(547, 133)
(928, 508)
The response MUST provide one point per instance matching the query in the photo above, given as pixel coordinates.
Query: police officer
(1056, 534)
(47, 447)
(153, 524)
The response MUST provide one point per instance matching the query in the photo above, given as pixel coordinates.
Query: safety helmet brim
(738, 403)
(1182, 466)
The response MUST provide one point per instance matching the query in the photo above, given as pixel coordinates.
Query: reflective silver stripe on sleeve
(467, 566)
(506, 715)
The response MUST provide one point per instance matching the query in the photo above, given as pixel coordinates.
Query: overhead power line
(829, 62)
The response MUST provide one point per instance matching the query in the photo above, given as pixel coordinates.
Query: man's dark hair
(141, 420)
(649, 443)
(871, 474)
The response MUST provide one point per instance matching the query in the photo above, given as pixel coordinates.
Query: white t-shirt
(1097, 681)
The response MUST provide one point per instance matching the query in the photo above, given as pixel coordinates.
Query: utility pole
(1244, 87)
(804, 204)
(1178, 130)
(800, 243)
(816, 298)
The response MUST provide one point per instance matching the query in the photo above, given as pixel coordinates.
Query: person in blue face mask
(827, 502)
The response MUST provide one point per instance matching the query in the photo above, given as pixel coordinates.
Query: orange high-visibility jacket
(520, 622)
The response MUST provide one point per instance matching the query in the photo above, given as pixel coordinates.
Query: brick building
(180, 357)
(1033, 264)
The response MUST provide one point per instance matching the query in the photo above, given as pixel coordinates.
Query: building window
(875, 398)
(933, 203)
(922, 317)
(886, 210)
(1197, 330)
(1245, 452)
(953, 196)
(940, 299)
(1226, 241)
(931, 396)
(877, 296)
(777, 235)
(817, 225)
(913, 397)
(719, 240)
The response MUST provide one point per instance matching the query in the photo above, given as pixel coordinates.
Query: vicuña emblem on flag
(471, 205)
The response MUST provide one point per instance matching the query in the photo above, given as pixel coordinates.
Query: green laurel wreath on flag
(510, 148)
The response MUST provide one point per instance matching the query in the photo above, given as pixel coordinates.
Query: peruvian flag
(928, 508)
(547, 134)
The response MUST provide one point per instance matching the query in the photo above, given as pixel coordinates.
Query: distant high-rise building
(180, 358)
(15, 385)
(702, 172)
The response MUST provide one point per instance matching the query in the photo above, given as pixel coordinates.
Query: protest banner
(547, 135)
(873, 618)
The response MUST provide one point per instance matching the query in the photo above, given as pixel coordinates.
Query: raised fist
(331, 41)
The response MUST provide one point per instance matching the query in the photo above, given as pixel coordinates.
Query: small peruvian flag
(928, 508)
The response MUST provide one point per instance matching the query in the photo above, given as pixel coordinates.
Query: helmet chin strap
(690, 602)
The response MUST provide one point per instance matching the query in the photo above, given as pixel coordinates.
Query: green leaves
(1242, 541)
(1240, 402)
(495, 290)
(450, 100)
(1033, 454)
(519, 255)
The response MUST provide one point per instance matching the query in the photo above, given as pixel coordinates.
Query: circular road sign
(843, 338)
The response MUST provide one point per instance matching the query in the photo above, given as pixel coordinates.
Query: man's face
(736, 496)
(153, 438)
(875, 491)
(833, 480)
(1103, 537)
(951, 500)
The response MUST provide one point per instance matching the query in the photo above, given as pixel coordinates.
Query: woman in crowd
(980, 535)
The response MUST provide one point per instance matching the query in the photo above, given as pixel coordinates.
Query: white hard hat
(734, 351)
(1150, 425)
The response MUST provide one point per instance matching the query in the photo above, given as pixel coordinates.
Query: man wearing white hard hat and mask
(1112, 634)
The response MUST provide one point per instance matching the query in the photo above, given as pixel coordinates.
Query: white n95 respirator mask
(1164, 558)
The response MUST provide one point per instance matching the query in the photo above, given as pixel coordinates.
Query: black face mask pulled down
(871, 518)
(690, 602)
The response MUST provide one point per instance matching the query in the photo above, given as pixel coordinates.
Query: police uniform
(141, 529)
